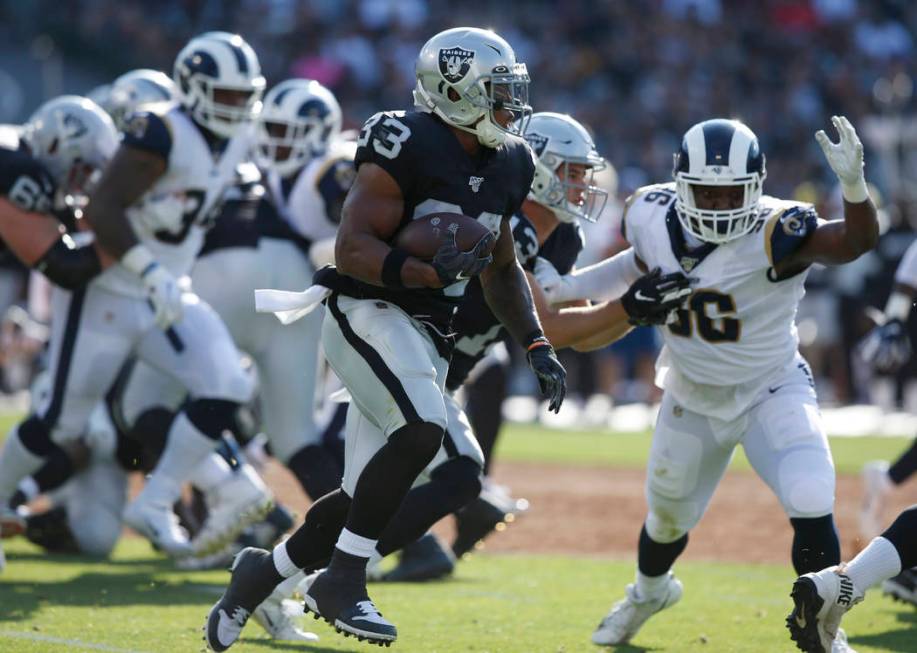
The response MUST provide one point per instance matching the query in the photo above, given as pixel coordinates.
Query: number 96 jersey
(173, 215)
(737, 329)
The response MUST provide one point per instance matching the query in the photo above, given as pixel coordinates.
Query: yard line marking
(35, 637)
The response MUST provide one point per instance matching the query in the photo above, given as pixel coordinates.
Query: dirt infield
(598, 511)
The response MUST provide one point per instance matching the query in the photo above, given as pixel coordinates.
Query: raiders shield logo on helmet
(454, 63)
(537, 141)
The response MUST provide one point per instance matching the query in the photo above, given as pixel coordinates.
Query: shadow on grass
(273, 645)
(901, 639)
(91, 589)
(158, 563)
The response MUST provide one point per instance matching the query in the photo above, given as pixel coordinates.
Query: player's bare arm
(840, 241)
(129, 175)
(28, 234)
(506, 288)
(371, 215)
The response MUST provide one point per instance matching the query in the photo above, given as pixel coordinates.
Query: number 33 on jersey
(739, 322)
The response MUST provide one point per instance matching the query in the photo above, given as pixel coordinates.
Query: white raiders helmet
(212, 71)
(718, 152)
(560, 142)
(465, 75)
(135, 89)
(74, 139)
(299, 119)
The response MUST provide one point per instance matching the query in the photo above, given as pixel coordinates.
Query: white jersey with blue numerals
(173, 215)
(737, 329)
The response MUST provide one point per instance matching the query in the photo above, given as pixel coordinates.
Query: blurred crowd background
(637, 72)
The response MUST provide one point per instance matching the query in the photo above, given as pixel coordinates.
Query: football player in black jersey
(546, 228)
(43, 168)
(389, 315)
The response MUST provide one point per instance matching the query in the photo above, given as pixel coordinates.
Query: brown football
(423, 236)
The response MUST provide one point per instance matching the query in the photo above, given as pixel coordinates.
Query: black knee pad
(462, 475)
(417, 440)
(150, 431)
(212, 416)
(36, 436)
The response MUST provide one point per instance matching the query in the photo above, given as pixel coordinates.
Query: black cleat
(347, 606)
(802, 622)
(425, 559)
(251, 583)
(476, 521)
(902, 587)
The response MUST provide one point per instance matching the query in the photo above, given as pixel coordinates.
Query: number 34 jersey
(737, 329)
(172, 217)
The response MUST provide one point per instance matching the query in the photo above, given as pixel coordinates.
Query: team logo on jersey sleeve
(475, 183)
(537, 142)
(137, 125)
(454, 63)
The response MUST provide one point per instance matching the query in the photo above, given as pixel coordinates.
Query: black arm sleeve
(69, 266)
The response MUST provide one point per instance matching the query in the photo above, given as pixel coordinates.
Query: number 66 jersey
(737, 331)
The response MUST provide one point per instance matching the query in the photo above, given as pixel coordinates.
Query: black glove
(453, 265)
(887, 347)
(651, 297)
(552, 377)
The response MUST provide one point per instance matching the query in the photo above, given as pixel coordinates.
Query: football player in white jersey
(149, 212)
(730, 366)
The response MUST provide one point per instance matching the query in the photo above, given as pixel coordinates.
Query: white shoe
(276, 614)
(840, 645)
(157, 522)
(631, 612)
(820, 600)
(876, 486)
(234, 505)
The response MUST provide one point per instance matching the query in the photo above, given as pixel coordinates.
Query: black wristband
(530, 339)
(69, 266)
(391, 268)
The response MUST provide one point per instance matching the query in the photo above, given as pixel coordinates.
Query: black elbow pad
(68, 265)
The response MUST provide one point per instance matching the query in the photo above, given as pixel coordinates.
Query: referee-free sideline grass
(495, 603)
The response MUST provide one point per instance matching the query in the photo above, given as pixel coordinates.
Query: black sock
(388, 476)
(484, 408)
(903, 535)
(815, 544)
(905, 466)
(316, 469)
(311, 545)
(655, 558)
(452, 486)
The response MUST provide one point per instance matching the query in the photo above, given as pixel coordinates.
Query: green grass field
(495, 603)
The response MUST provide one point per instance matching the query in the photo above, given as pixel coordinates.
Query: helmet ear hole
(453, 95)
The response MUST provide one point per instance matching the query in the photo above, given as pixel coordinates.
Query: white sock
(877, 562)
(282, 563)
(16, 462)
(213, 471)
(650, 587)
(356, 545)
(186, 448)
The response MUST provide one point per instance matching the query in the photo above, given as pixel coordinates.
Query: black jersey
(435, 173)
(475, 325)
(24, 182)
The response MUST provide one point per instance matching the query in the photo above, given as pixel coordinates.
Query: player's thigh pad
(685, 465)
(458, 440)
(387, 362)
(787, 446)
(92, 334)
(199, 353)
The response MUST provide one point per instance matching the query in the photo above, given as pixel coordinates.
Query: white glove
(556, 286)
(163, 290)
(846, 159)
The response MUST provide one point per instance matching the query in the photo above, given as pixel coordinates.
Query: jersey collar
(687, 258)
